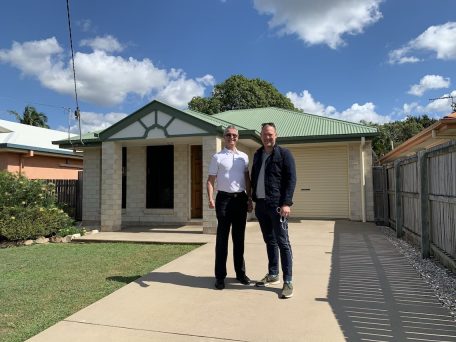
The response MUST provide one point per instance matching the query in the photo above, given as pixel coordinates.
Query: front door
(197, 181)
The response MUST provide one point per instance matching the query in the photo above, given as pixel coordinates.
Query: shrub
(17, 190)
(28, 208)
(70, 230)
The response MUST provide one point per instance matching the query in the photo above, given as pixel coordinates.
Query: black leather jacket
(279, 176)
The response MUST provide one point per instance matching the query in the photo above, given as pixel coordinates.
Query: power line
(33, 102)
(77, 113)
(453, 104)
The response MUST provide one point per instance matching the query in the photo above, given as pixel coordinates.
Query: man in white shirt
(229, 170)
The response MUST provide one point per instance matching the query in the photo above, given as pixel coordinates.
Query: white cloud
(429, 82)
(365, 112)
(102, 78)
(355, 113)
(92, 122)
(180, 90)
(33, 57)
(306, 102)
(107, 43)
(399, 56)
(436, 108)
(441, 106)
(320, 22)
(438, 39)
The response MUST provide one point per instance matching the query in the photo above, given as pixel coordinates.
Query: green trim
(142, 123)
(156, 106)
(169, 122)
(156, 125)
(39, 149)
(215, 125)
(79, 145)
(323, 138)
(172, 136)
(252, 134)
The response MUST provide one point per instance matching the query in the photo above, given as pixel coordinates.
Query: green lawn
(43, 284)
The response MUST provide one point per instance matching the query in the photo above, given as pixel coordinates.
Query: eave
(440, 132)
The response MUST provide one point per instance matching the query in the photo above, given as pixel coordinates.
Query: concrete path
(350, 284)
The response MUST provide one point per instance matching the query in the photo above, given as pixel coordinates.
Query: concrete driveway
(350, 283)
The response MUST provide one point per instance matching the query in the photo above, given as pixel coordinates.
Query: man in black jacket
(273, 183)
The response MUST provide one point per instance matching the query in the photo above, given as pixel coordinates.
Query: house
(28, 150)
(439, 133)
(151, 167)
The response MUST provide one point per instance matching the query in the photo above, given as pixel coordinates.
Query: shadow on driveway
(181, 279)
(377, 296)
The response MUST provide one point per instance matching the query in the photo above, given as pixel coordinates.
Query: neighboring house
(28, 150)
(151, 167)
(439, 133)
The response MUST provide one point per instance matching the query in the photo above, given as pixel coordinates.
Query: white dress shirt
(229, 167)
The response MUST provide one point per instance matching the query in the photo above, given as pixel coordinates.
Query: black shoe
(244, 280)
(219, 284)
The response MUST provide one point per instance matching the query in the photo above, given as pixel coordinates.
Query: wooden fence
(69, 195)
(417, 197)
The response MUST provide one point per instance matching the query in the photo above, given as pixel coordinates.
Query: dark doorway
(160, 177)
(197, 181)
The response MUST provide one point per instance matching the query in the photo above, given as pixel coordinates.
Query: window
(160, 177)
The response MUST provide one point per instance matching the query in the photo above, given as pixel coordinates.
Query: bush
(70, 231)
(28, 208)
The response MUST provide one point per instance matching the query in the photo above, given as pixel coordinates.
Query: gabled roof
(209, 124)
(293, 125)
(19, 137)
(439, 133)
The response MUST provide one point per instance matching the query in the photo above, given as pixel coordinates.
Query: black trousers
(231, 210)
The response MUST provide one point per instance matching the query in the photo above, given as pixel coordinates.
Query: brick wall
(111, 186)
(211, 145)
(91, 186)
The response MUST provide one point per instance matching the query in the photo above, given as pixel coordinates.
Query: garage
(322, 189)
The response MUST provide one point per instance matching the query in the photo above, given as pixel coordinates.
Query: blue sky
(347, 59)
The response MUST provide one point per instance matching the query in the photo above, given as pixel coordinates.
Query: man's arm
(289, 175)
(210, 185)
(248, 190)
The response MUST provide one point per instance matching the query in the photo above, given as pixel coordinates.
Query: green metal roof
(213, 120)
(292, 124)
(87, 139)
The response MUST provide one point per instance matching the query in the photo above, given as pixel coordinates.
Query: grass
(43, 284)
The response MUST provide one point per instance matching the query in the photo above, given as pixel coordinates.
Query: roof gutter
(363, 178)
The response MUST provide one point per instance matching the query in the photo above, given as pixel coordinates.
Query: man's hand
(249, 205)
(285, 211)
(211, 204)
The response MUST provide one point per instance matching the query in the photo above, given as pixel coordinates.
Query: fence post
(385, 196)
(424, 204)
(397, 173)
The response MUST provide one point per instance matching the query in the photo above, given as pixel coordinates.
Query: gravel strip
(440, 279)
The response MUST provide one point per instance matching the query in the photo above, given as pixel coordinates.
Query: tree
(392, 134)
(31, 117)
(239, 92)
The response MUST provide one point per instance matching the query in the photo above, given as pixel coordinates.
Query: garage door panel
(324, 171)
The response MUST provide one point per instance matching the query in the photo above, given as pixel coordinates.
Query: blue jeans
(275, 235)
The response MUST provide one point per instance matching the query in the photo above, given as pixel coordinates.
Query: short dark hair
(263, 125)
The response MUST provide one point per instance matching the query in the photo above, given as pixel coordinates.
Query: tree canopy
(239, 92)
(392, 134)
(31, 117)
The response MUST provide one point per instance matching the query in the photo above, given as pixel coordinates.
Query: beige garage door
(322, 182)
